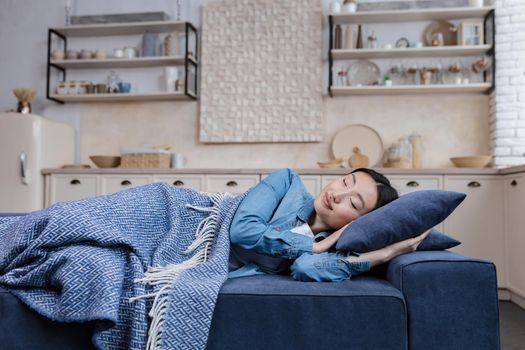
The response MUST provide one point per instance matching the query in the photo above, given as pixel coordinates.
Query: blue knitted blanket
(145, 263)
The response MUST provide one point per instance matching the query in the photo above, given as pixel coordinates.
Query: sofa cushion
(23, 328)
(403, 218)
(266, 311)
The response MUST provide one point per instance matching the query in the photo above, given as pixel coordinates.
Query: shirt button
(278, 229)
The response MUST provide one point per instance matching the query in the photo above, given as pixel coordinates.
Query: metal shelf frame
(189, 60)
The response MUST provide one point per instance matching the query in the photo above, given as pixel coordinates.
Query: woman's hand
(327, 243)
(387, 253)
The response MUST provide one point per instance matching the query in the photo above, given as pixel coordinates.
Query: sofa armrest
(452, 300)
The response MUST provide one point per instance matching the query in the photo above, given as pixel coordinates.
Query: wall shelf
(124, 97)
(189, 59)
(411, 15)
(121, 62)
(486, 14)
(431, 51)
(410, 89)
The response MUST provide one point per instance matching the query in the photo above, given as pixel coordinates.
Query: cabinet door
(515, 233)
(326, 179)
(115, 183)
(230, 183)
(478, 221)
(72, 187)
(195, 182)
(312, 184)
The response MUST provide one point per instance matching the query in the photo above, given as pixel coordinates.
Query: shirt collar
(306, 210)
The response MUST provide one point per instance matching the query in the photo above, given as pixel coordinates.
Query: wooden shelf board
(409, 89)
(121, 62)
(440, 51)
(110, 29)
(156, 96)
(411, 15)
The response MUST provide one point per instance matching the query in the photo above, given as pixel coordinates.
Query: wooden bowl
(106, 161)
(335, 163)
(471, 161)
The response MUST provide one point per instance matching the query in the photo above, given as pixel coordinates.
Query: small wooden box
(471, 33)
(145, 160)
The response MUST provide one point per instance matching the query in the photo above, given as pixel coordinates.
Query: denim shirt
(261, 236)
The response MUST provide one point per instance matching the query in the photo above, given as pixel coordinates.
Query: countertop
(305, 171)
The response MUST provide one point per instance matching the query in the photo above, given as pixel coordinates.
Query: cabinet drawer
(72, 187)
(407, 184)
(112, 184)
(230, 183)
(195, 182)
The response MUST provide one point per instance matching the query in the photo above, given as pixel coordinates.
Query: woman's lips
(326, 200)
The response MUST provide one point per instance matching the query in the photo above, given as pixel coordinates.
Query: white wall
(507, 111)
(105, 128)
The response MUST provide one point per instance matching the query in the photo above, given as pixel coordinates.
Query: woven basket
(145, 160)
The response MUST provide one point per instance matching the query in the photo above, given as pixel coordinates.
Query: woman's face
(345, 199)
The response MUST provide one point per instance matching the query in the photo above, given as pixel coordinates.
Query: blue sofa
(423, 300)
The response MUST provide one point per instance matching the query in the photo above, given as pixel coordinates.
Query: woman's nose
(339, 195)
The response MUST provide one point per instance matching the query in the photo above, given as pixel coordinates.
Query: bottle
(372, 40)
(415, 141)
(349, 37)
(359, 44)
(405, 153)
(338, 37)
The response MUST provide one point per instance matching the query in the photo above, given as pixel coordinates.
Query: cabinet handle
(514, 183)
(75, 182)
(413, 184)
(178, 183)
(474, 184)
(125, 183)
(232, 184)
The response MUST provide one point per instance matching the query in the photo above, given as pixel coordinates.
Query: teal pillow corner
(403, 218)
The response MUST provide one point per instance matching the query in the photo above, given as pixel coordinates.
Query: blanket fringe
(164, 276)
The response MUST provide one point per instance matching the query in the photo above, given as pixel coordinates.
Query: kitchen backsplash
(449, 126)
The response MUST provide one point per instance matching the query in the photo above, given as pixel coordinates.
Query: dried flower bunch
(24, 95)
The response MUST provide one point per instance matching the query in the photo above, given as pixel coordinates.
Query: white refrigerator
(28, 144)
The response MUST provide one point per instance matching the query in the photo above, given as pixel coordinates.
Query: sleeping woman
(280, 227)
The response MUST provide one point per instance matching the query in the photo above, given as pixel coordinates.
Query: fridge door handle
(23, 168)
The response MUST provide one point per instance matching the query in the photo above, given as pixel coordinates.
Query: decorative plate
(363, 73)
(448, 30)
(362, 136)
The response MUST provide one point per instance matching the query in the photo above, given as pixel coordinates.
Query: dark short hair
(385, 192)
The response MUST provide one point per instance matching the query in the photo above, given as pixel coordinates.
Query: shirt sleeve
(250, 227)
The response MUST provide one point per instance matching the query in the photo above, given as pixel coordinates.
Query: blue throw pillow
(403, 218)
(437, 241)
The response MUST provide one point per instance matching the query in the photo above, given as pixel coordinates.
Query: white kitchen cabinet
(115, 183)
(478, 221)
(514, 190)
(232, 183)
(71, 187)
(312, 184)
(195, 182)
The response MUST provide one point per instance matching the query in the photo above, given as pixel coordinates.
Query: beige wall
(450, 125)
